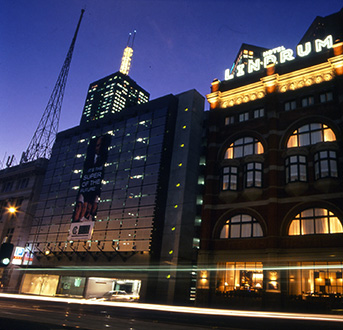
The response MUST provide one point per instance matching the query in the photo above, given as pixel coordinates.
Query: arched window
(243, 147)
(241, 226)
(315, 221)
(311, 134)
(325, 161)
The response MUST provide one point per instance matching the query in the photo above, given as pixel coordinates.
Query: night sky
(180, 45)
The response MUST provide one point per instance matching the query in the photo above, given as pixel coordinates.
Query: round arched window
(311, 134)
(315, 221)
(243, 147)
(241, 226)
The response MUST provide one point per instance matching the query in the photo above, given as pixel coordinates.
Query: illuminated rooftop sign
(279, 55)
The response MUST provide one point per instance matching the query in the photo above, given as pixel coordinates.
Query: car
(119, 295)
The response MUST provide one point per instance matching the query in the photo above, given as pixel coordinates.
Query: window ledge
(228, 195)
(252, 193)
(296, 188)
(326, 184)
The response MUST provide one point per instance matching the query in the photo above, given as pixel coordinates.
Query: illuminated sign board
(18, 255)
(279, 55)
(88, 196)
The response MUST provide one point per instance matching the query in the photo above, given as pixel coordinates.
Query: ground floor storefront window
(71, 286)
(97, 287)
(315, 279)
(40, 284)
(77, 286)
(291, 286)
(239, 276)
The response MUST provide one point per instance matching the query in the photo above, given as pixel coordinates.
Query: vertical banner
(90, 188)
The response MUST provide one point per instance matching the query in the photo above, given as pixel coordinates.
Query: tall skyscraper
(110, 95)
(115, 92)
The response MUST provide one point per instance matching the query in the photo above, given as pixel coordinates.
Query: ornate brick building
(272, 222)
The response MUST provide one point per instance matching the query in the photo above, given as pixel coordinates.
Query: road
(39, 313)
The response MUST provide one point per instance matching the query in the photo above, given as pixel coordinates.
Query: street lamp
(12, 210)
(6, 248)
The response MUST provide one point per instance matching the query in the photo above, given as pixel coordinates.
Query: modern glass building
(272, 222)
(120, 203)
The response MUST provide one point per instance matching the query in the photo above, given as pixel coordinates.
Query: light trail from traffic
(186, 310)
(180, 269)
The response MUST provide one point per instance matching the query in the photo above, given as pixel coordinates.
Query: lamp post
(10, 261)
(6, 247)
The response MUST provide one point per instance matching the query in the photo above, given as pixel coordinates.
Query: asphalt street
(35, 314)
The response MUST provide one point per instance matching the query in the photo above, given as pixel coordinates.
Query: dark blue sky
(180, 45)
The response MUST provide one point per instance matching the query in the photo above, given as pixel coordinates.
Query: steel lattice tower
(44, 136)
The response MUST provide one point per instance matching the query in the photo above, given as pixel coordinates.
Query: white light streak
(187, 310)
(182, 269)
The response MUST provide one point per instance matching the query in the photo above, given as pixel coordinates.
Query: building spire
(45, 134)
(127, 55)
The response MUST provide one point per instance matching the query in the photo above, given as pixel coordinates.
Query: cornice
(279, 83)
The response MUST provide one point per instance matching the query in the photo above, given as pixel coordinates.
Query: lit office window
(315, 221)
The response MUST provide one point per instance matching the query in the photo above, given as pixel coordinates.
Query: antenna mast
(127, 55)
(44, 136)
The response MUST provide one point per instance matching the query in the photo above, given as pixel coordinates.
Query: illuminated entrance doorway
(39, 284)
(98, 286)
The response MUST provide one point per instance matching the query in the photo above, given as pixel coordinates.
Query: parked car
(119, 295)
